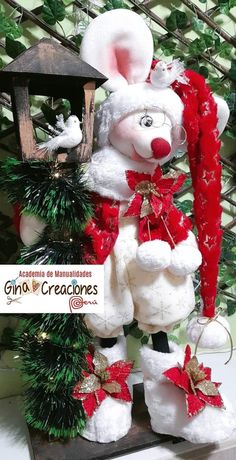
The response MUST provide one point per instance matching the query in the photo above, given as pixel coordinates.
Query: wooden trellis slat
(204, 17)
(212, 10)
(139, 7)
(39, 22)
(228, 199)
(227, 294)
(37, 11)
(207, 18)
(232, 189)
(229, 163)
(90, 13)
(231, 224)
(177, 35)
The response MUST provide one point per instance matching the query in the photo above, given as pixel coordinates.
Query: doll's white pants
(158, 300)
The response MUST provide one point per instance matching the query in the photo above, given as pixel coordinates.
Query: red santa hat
(201, 122)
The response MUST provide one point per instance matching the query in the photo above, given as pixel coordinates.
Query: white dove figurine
(163, 74)
(69, 138)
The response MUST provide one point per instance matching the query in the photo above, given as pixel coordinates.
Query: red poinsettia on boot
(102, 381)
(105, 395)
(195, 380)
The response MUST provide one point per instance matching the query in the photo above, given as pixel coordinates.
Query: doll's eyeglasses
(179, 134)
(147, 121)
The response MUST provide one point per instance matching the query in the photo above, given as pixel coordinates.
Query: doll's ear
(222, 113)
(119, 44)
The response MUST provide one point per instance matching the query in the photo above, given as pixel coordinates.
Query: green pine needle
(55, 413)
(56, 192)
(64, 329)
(52, 346)
(52, 364)
(55, 247)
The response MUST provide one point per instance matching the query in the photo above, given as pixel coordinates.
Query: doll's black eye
(146, 121)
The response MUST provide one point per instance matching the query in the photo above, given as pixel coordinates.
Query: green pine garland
(53, 191)
(55, 247)
(52, 347)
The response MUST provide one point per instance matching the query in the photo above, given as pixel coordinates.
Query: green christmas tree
(52, 347)
(56, 193)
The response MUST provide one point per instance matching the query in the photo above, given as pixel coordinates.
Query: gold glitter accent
(100, 362)
(194, 371)
(112, 387)
(172, 175)
(104, 376)
(192, 385)
(207, 388)
(90, 384)
(197, 379)
(146, 208)
(145, 187)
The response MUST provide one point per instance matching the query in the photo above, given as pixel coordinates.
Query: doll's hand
(31, 227)
(185, 259)
(153, 255)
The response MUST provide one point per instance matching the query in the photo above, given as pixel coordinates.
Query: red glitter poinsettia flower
(153, 193)
(195, 380)
(101, 381)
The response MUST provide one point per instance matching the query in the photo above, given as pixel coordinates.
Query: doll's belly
(160, 299)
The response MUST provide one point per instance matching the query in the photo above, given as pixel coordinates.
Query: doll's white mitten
(112, 419)
(185, 259)
(153, 255)
(167, 405)
(31, 227)
(214, 333)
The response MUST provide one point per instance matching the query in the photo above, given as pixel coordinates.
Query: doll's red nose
(160, 147)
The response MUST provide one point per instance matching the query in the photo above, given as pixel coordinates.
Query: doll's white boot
(112, 420)
(167, 405)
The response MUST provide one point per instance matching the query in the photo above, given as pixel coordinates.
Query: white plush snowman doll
(146, 244)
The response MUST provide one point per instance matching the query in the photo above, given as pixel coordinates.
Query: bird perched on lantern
(163, 74)
(69, 134)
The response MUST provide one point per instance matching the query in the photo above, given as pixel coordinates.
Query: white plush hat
(120, 44)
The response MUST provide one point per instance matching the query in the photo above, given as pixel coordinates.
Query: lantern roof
(50, 69)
